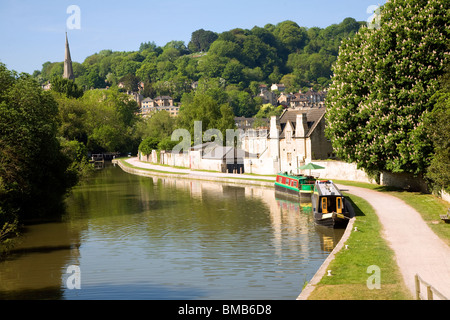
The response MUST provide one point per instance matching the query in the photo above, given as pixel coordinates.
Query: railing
(431, 292)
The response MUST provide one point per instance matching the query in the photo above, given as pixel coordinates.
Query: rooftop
(327, 188)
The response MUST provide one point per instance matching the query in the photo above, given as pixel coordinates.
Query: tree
(159, 126)
(66, 87)
(148, 72)
(148, 144)
(242, 103)
(201, 40)
(130, 82)
(382, 87)
(90, 79)
(233, 72)
(34, 175)
(72, 115)
(150, 45)
(109, 121)
(266, 111)
(438, 125)
(203, 107)
(290, 35)
(224, 48)
(167, 144)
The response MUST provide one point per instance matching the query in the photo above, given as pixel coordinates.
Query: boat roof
(295, 176)
(327, 188)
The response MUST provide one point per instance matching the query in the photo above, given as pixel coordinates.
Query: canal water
(130, 237)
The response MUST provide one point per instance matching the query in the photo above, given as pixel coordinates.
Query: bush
(148, 144)
(167, 144)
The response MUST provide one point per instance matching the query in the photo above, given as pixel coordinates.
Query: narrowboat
(330, 208)
(294, 184)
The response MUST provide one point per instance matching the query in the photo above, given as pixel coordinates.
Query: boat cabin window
(324, 205)
(332, 204)
(295, 183)
(339, 205)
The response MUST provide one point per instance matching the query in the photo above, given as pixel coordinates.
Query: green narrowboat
(294, 184)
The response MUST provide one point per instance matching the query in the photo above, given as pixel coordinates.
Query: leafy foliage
(148, 144)
(103, 120)
(34, 171)
(382, 87)
(201, 40)
(438, 124)
(67, 87)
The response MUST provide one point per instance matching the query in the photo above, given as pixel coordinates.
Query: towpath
(145, 165)
(417, 248)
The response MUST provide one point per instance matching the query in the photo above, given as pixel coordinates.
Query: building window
(289, 157)
(288, 136)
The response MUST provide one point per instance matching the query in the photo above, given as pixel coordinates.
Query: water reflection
(158, 238)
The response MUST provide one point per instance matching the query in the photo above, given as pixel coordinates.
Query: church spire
(68, 71)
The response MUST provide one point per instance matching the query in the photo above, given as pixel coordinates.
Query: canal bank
(309, 288)
(134, 166)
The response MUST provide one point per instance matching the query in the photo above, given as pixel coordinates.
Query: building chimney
(274, 130)
(301, 126)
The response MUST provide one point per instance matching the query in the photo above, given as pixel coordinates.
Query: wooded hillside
(285, 53)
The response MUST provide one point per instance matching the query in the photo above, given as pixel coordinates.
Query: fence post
(429, 293)
(417, 286)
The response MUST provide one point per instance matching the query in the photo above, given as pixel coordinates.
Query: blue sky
(32, 32)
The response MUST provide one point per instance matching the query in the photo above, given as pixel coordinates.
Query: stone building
(149, 106)
(295, 138)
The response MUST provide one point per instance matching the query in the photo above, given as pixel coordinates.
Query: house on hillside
(267, 96)
(163, 101)
(251, 123)
(150, 106)
(278, 86)
(284, 99)
(147, 105)
(307, 99)
(136, 96)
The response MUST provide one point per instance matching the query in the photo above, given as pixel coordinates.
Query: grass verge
(366, 247)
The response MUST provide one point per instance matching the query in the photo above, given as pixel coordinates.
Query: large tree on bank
(35, 173)
(383, 83)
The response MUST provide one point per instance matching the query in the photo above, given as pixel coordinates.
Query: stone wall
(445, 196)
(175, 159)
(191, 160)
(405, 181)
(339, 170)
